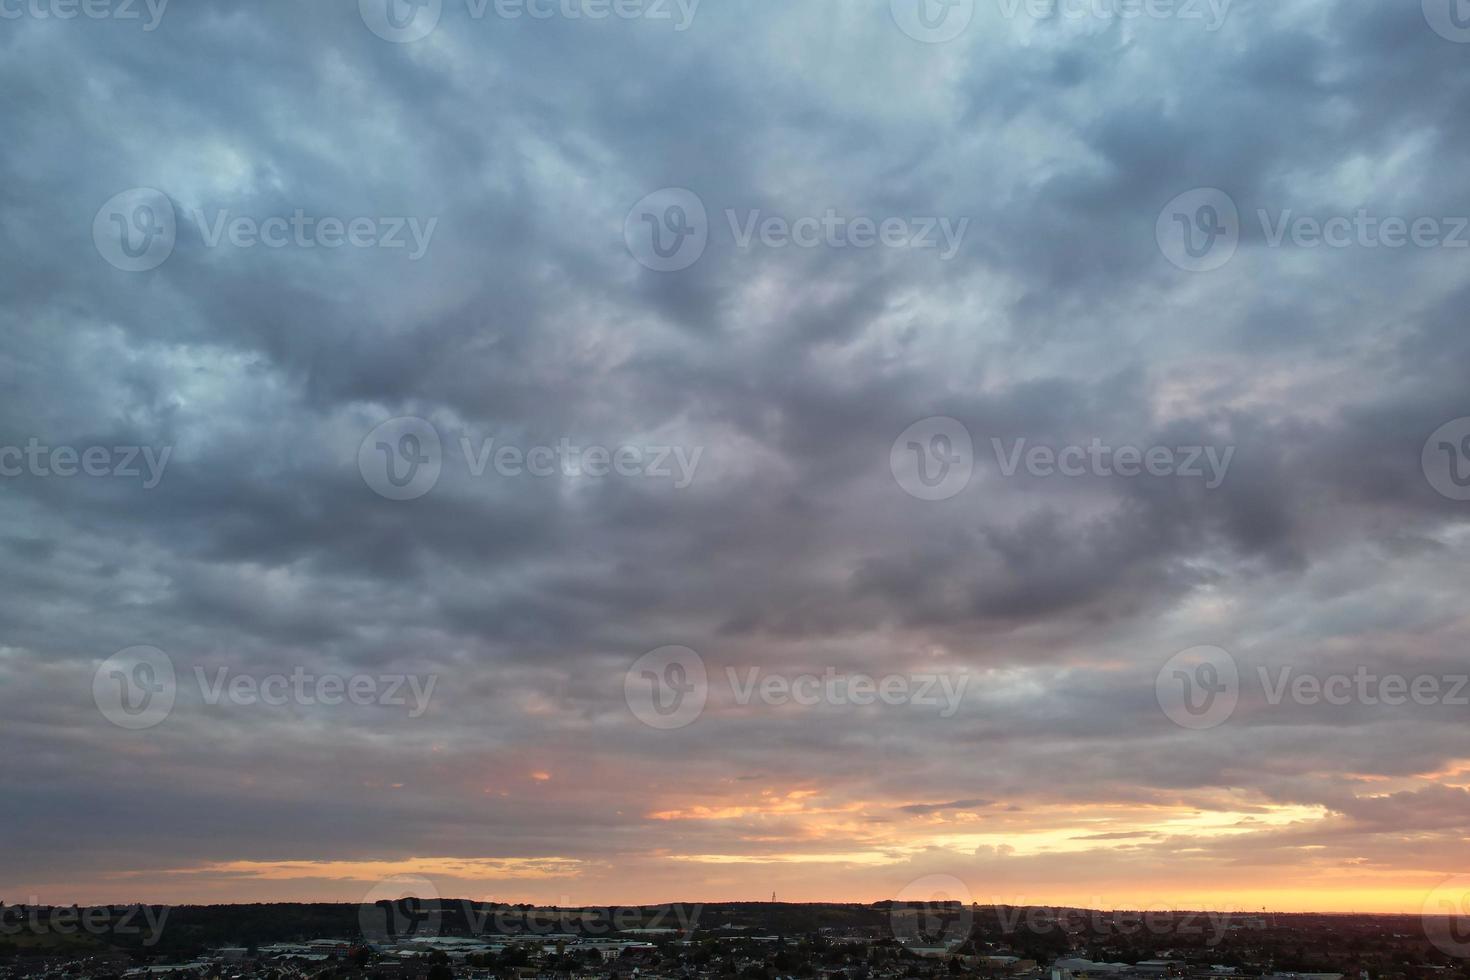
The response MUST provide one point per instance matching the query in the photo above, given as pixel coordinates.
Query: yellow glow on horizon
(817, 845)
(373, 871)
(854, 857)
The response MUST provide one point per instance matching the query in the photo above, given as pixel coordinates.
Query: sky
(584, 452)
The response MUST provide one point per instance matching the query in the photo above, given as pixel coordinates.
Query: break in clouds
(390, 378)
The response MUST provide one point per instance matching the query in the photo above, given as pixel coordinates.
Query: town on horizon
(409, 939)
(735, 489)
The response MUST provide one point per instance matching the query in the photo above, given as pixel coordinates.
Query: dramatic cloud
(662, 291)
